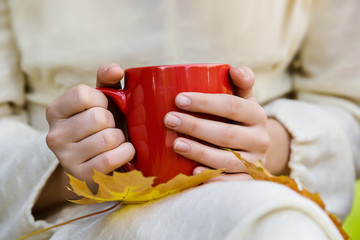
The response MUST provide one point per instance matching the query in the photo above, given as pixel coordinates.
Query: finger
(96, 119)
(74, 101)
(232, 177)
(218, 133)
(200, 169)
(109, 160)
(224, 177)
(97, 143)
(210, 156)
(72, 154)
(109, 75)
(223, 105)
(243, 79)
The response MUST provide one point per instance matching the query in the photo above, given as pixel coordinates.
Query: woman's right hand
(82, 131)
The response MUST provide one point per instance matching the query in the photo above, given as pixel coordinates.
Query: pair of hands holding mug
(83, 136)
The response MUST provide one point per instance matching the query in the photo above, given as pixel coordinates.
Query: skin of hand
(82, 131)
(83, 136)
(67, 141)
(248, 134)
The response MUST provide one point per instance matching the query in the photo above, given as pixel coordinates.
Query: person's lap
(219, 210)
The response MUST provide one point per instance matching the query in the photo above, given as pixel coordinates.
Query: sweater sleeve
(26, 162)
(324, 118)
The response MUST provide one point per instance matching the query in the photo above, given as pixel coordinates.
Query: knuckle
(231, 165)
(110, 138)
(194, 126)
(203, 155)
(101, 118)
(234, 106)
(55, 142)
(203, 100)
(229, 135)
(264, 142)
(65, 157)
(54, 138)
(83, 95)
(106, 161)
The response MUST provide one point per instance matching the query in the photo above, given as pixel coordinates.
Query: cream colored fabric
(214, 211)
(54, 45)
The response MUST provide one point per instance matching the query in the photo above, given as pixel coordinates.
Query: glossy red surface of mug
(148, 95)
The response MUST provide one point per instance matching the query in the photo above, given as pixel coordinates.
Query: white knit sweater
(49, 46)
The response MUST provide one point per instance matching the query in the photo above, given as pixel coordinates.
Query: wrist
(54, 193)
(278, 153)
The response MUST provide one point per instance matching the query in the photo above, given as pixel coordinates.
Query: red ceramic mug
(148, 95)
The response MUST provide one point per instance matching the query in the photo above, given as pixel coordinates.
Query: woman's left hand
(247, 134)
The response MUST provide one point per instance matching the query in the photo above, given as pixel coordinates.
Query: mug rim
(187, 65)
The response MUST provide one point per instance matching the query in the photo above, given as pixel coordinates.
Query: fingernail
(244, 73)
(172, 121)
(181, 146)
(106, 69)
(109, 66)
(182, 101)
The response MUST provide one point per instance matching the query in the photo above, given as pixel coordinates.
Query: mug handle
(119, 98)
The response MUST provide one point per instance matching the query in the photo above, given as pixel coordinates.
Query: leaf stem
(70, 221)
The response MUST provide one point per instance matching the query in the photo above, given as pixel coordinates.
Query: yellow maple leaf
(133, 187)
(258, 172)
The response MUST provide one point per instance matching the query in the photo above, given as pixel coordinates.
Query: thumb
(109, 75)
(243, 79)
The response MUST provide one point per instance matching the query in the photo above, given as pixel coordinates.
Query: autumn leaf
(127, 188)
(133, 187)
(258, 172)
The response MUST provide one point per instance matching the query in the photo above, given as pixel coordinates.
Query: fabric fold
(313, 159)
(23, 152)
